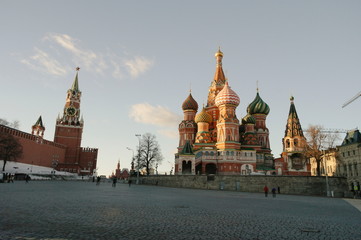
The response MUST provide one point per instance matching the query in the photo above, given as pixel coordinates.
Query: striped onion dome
(227, 96)
(258, 106)
(190, 103)
(203, 116)
(249, 119)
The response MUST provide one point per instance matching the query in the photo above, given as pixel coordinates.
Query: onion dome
(258, 106)
(203, 116)
(227, 96)
(219, 53)
(190, 103)
(249, 119)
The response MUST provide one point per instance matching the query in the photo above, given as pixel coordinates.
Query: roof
(352, 137)
(187, 149)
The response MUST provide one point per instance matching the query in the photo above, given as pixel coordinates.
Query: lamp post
(325, 166)
(138, 136)
(132, 164)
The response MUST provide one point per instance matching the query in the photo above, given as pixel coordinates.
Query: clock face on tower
(71, 111)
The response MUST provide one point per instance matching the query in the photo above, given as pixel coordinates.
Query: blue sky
(139, 59)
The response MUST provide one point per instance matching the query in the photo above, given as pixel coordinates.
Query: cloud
(138, 65)
(42, 62)
(154, 115)
(59, 48)
(88, 59)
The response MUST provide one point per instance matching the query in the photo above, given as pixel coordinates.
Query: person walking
(114, 182)
(265, 189)
(130, 182)
(274, 192)
(98, 180)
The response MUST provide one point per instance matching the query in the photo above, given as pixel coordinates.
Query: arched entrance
(199, 169)
(186, 167)
(211, 168)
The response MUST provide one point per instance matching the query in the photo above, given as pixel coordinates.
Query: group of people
(8, 177)
(114, 181)
(266, 190)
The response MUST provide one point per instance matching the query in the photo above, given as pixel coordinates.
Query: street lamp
(326, 173)
(138, 136)
(132, 165)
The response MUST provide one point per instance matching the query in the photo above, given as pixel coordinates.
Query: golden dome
(203, 116)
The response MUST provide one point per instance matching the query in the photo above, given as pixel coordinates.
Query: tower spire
(38, 128)
(219, 77)
(75, 86)
(293, 127)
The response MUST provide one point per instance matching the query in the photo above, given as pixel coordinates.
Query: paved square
(66, 210)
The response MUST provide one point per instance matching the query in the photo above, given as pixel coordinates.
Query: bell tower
(69, 125)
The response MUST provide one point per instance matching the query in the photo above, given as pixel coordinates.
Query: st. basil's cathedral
(214, 141)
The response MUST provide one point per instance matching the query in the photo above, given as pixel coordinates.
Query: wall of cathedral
(296, 185)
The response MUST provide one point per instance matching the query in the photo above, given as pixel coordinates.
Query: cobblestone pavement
(59, 210)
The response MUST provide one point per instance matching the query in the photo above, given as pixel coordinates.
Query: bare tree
(319, 140)
(15, 124)
(10, 148)
(150, 153)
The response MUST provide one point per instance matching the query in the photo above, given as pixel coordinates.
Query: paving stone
(62, 210)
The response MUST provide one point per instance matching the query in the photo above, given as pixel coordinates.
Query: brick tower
(69, 127)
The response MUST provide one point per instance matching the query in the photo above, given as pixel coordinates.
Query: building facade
(329, 162)
(349, 158)
(215, 141)
(65, 152)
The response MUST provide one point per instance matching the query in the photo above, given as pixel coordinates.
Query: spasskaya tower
(69, 129)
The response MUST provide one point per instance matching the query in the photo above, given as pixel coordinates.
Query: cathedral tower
(216, 86)
(203, 119)
(228, 124)
(69, 126)
(294, 145)
(188, 127)
(259, 109)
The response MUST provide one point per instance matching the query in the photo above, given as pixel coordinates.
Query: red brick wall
(37, 151)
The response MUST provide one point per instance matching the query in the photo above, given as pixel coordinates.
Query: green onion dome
(249, 119)
(190, 103)
(258, 106)
(227, 96)
(203, 116)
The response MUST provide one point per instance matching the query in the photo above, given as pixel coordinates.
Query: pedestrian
(130, 182)
(27, 178)
(114, 182)
(279, 190)
(274, 192)
(98, 180)
(265, 189)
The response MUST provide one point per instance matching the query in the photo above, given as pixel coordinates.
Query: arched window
(287, 143)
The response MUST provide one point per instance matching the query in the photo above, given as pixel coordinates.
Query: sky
(139, 59)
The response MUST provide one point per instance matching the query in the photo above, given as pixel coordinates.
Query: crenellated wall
(296, 185)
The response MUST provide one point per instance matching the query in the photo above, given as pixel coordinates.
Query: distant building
(121, 173)
(328, 165)
(215, 142)
(293, 160)
(65, 152)
(349, 155)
